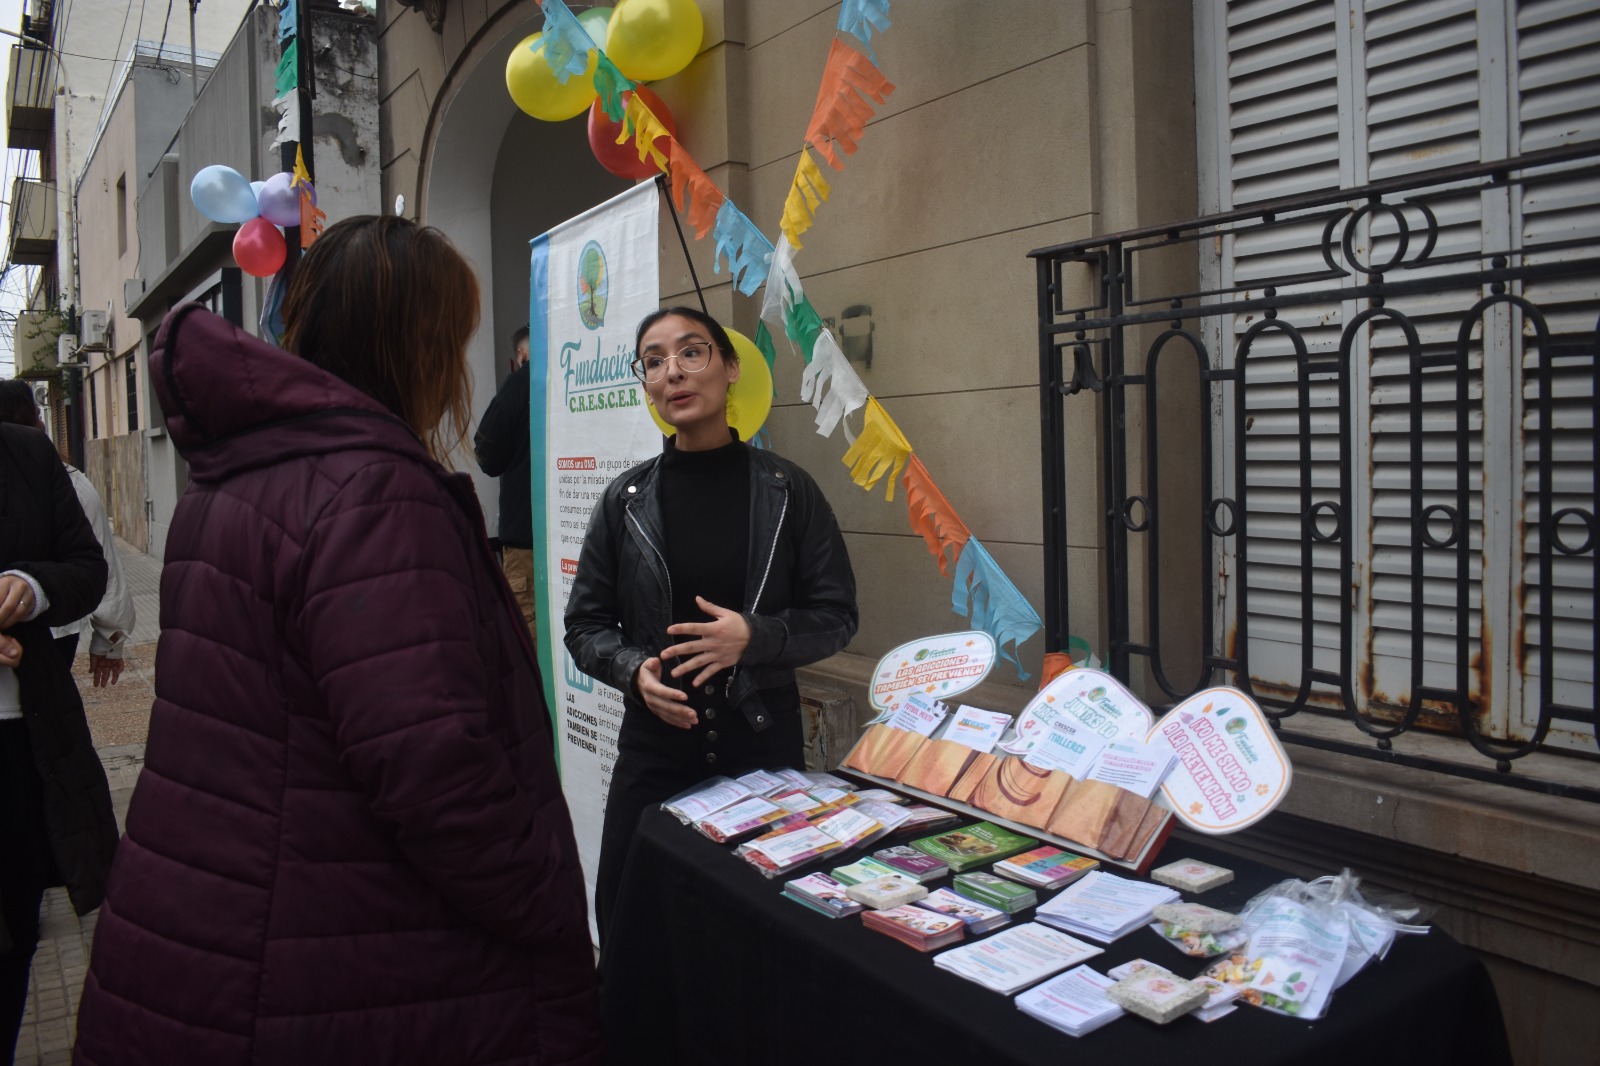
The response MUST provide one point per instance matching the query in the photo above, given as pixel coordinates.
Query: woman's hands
(717, 645)
(665, 702)
(720, 642)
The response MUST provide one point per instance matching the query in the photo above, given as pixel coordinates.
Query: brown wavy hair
(389, 306)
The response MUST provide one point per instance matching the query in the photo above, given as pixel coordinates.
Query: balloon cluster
(222, 194)
(646, 39)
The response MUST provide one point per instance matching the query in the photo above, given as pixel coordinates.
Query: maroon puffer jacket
(349, 843)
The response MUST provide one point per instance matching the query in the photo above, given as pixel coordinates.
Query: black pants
(656, 761)
(25, 870)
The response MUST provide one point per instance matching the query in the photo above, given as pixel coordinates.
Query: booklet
(744, 817)
(918, 714)
(822, 894)
(1075, 1002)
(1015, 958)
(996, 891)
(891, 815)
(976, 728)
(797, 800)
(923, 930)
(851, 828)
(863, 870)
(1046, 867)
(780, 852)
(911, 862)
(706, 798)
(1135, 765)
(762, 783)
(1103, 906)
(962, 849)
(979, 918)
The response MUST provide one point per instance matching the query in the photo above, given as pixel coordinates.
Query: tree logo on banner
(594, 281)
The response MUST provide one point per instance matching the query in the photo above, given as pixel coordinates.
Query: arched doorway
(493, 179)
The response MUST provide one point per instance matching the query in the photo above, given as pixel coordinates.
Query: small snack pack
(1191, 875)
(1198, 930)
(886, 893)
(1158, 997)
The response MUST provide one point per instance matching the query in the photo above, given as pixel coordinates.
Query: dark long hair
(713, 328)
(389, 306)
(17, 403)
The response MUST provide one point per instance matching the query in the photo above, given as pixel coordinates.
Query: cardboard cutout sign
(1231, 770)
(939, 667)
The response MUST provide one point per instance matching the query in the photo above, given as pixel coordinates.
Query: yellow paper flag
(641, 123)
(809, 190)
(880, 450)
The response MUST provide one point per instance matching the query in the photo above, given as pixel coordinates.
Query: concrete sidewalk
(119, 717)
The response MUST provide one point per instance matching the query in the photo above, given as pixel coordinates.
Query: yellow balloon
(534, 88)
(653, 39)
(750, 398)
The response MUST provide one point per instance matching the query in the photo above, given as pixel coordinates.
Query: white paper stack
(1074, 1003)
(1016, 958)
(1103, 906)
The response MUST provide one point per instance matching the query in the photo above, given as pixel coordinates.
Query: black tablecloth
(708, 963)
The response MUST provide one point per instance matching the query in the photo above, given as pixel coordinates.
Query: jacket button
(711, 712)
(778, 475)
(711, 735)
(711, 690)
(633, 488)
(760, 718)
(711, 756)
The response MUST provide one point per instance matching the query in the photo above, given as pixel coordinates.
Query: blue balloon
(222, 194)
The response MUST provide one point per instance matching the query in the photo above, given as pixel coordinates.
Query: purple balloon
(280, 203)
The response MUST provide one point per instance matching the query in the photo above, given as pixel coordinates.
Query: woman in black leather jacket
(708, 574)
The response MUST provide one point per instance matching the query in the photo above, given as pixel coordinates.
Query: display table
(709, 963)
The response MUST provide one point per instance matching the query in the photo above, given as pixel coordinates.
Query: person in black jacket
(707, 576)
(504, 452)
(56, 822)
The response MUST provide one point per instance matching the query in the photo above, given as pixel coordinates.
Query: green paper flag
(802, 323)
(763, 341)
(287, 76)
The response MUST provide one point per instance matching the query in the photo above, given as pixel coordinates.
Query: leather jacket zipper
(660, 558)
(772, 553)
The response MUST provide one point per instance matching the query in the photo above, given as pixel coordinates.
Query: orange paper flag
(932, 516)
(809, 190)
(704, 196)
(849, 83)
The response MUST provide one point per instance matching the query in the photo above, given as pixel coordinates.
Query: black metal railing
(1387, 397)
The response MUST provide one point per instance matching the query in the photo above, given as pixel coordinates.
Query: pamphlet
(1074, 1002)
(1068, 746)
(1014, 958)
(976, 728)
(918, 714)
(743, 817)
(1299, 957)
(1135, 765)
(706, 798)
(862, 871)
(851, 828)
(1103, 906)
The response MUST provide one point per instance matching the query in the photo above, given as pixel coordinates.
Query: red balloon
(623, 159)
(259, 248)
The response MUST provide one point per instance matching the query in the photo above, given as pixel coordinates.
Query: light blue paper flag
(985, 593)
(566, 43)
(748, 251)
(859, 18)
(288, 20)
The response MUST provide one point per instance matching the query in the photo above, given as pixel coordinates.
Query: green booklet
(996, 892)
(975, 845)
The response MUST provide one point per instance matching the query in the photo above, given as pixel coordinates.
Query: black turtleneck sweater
(705, 512)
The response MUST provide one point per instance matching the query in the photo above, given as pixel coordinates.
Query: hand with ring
(16, 600)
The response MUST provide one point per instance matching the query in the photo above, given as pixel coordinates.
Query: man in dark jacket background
(504, 452)
(56, 821)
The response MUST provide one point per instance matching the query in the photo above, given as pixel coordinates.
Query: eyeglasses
(691, 360)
